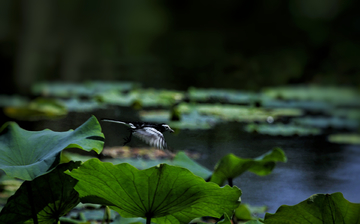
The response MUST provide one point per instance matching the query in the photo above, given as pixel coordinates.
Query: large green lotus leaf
(29, 154)
(167, 194)
(231, 166)
(180, 159)
(318, 209)
(53, 195)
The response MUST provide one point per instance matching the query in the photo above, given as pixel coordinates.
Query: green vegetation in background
(40, 108)
(338, 96)
(282, 129)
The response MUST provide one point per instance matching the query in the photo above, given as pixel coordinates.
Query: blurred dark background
(176, 44)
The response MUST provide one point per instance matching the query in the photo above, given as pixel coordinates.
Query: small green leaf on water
(167, 194)
(29, 154)
(231, 166)
(247, 212)
(318, 209)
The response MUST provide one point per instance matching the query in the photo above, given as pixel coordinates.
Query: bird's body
(148, 132)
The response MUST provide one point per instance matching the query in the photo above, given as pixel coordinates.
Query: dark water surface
(314, 165)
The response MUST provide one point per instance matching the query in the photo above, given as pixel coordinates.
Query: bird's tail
(115, 121)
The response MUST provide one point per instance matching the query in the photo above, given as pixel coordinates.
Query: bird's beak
(171, 130)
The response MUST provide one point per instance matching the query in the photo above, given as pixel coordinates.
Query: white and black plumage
(150, 133)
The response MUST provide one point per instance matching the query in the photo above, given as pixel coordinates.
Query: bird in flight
(150, 133)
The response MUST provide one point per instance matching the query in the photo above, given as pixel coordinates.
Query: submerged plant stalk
(148, 219)
(31, 200)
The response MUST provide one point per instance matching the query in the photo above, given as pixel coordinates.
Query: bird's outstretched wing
(119, 122)
(151, 136)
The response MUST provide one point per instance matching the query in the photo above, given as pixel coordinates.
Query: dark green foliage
(52, 196)
(318, 209)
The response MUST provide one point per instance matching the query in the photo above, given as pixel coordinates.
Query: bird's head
(167, 128)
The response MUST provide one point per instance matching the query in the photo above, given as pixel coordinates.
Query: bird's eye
(166, 126)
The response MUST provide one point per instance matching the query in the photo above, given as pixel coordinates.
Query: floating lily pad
(282, 129)
(39, 108)
(29, 154)
(154, 98)
(155, 116)
(327, 122)
(63, 89)
(346, 138)
(340, 96)
(353, 114)
(191, 120)
(78, 105)
(54, 193)
(221, 95)
(142, 97)
(121, 86)
(163, 193)
(114, 97)
(239, 113)
(318, 209)
(13, 101)
(314, 106)
(231, 166)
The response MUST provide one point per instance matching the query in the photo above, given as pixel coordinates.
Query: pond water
(314, 165)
